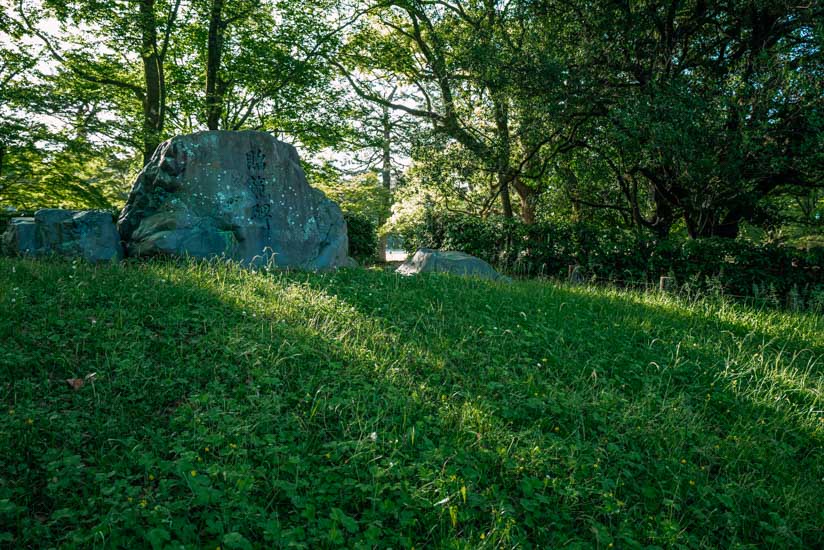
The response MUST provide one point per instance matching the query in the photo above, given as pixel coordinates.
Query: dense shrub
(363, 236)
(748, 269)
(545, 248)
(731, 267)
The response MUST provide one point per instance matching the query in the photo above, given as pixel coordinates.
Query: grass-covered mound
(360, 409)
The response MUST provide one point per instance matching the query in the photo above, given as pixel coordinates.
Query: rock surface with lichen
(426, 260)
(86, 234)
(238, 195)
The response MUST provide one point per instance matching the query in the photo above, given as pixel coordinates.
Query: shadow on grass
(359, 407)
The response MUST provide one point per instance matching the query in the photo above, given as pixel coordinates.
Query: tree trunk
(664, 216)
(154, 98)
(506, 201)
(214, 52)
(503, 152)
(386, 178)
(528, 198)
(728, 228)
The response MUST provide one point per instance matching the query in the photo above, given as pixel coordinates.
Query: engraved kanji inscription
(256, 162)
(256, 166)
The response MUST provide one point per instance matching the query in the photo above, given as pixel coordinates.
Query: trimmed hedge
(731, 267)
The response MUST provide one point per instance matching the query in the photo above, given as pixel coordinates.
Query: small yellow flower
(483, 536)
(11, 412)
(29, 421)
(232, 445)
(692, 482)
(328, 456)
(557, 429)
(199, 459)
(683, 461)
(206, 449)
(193, 473)
(143, 503)
(151, 477)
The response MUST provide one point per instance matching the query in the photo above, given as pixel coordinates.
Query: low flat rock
(426, 260)
(87, 234)
(238, 195)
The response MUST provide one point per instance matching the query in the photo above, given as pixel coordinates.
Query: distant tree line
(702, 119)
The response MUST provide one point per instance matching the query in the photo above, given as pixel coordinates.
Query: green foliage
(7, 215)
(546, 248)
(362, 195)
(747, 269)
(363, 409)
(734, 267)
(77, 107)
(73, 177)
(363, 238)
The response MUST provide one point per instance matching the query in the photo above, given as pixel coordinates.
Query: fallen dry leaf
(77, 383)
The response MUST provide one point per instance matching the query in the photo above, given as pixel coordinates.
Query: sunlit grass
(363, 409)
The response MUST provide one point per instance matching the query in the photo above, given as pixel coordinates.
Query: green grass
(363, 410)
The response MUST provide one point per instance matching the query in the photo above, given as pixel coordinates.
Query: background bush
(732, 267)
(363, 237)
(7, 215)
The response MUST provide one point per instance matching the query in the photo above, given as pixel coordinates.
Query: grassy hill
(360, 409)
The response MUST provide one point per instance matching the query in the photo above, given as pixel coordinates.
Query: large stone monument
(239, 195)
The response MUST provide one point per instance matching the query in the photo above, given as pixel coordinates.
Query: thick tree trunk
(214, 52)
(154, 97)
(664, 216)
(710, 226)
(528, 198)
(528, 209)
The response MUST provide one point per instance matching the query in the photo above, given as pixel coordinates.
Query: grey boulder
(19, 237)
(238, 195)
(86, 234)
(427, 260)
